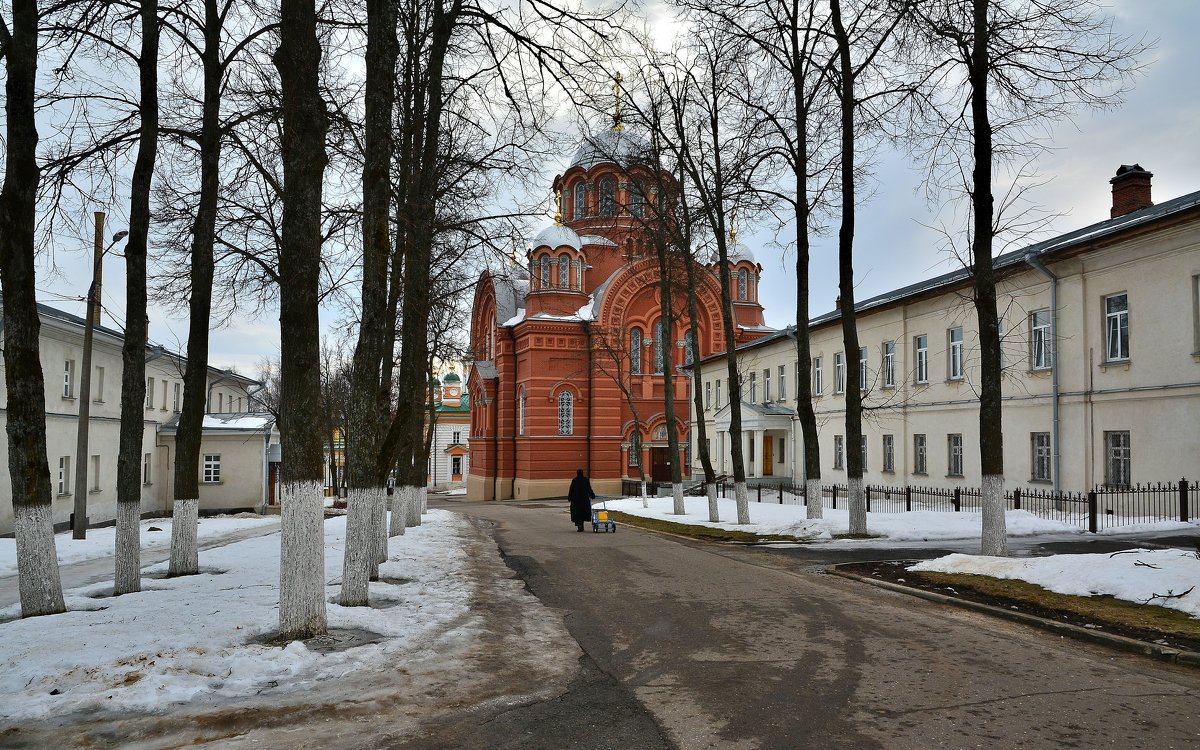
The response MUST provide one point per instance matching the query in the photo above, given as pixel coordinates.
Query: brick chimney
(1130, 190)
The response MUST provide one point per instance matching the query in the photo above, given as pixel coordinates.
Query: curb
(1120, 642)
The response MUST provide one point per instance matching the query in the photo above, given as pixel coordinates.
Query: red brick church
(550, 339)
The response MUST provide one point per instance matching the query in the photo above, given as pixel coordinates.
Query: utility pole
(79, 521)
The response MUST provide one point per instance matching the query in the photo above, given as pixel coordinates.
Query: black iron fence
(1104, 507)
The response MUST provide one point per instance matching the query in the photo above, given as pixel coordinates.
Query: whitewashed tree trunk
(37, 560)
(302, 561)
(645, 501)
(361, 549)
(995, 531)
(714, 510)
(743, 502)
(414, 507)
(856, 502)
(128, 573)
(379, 527)
(677, 498)
(185, 557)
(813, 499)
(424, 501)
(400, 500)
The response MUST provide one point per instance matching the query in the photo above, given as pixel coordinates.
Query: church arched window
(521, 413)
(544, 281)
(637, 199)
(658, 347)
(743, 283)
(687, 348)
(579, 275)
(580, 203)
(608, 197)
(635, 351)
(566, 413)
(635, 450)
(564, 271)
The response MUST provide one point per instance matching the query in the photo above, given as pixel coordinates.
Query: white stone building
(241, 465)
(1101, 347)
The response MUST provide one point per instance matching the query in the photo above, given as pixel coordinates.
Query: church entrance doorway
(660, 464)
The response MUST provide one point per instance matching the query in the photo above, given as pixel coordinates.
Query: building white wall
(439, 469)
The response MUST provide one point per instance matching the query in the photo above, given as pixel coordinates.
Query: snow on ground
(189, 640)
(790, 520)
(102, 541)
(1142, 575)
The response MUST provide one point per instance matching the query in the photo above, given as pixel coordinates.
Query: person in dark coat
(580, 496)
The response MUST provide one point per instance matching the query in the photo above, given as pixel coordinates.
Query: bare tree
(33, 515)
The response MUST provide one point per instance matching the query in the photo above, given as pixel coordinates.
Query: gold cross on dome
(733, 226)
(617, 90)
(558, 215)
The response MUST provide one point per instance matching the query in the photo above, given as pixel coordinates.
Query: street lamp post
(79, 521)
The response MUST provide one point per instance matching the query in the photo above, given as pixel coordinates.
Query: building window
(146, 464)
(921, 345)
(1039, 340)
(708, 395)
(796, 378)
(64, 475)
(687, 348)
(579, 275)
(658, 347)
(580, 203)
(839, 373)
(919, 463)
(889, 364)
(743, 282)
(220, 403)
(753, 387)
(456, 467)
(839, 452)
(1118, 466)
(456, 437)
(889, 452)
(175, 399)
(212, 468)
(954, 450)
(149, 393)
(566, 413)
(767, 385)
(635, 450)
(818, 385)
(564, 271)
(544, 281)
(1116, 326)
(779, 453)
(1040, 446)
(95, 474)
(782, 384)
(98, 391)
(608, 197)
(862, 367)
(521, 413)
(69, 378)
(956, 352)
(635, 351)
(637, 199)
(718, 393)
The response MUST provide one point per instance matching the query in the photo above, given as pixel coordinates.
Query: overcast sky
(1157, 127)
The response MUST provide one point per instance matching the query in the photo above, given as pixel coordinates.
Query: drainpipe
(590, 396)
(1037, 265)
(512, 488)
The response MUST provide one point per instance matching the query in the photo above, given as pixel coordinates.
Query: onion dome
(557, 235)
(620, 147)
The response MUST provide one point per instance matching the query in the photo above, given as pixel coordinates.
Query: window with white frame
(782, 384)
(98, 390)
(1039, 446)
(212, 468)
(69, 378)
(149, 393)
(955, 336)
(64, 475)
(456, 467)
(1039, 340)
(95, 474)
(147, 463)
(839, 452)
(566, 413)
(718, 393)
(818, 384)
(175, 399)
(767, 385)
(1118, 464)
(753, 387)
(862, 367)
(839, 373)
(920, 465)
(889, 452)
(921, 351)
(1116, 327)
(635, 351)
(708, 395)
(889, 364)
(954, 454)
(456, 437)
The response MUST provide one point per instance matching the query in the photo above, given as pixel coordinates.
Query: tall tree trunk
(714, 514)
(856, 501)
(666, 314)
(133, 351)
(33, 515)
(184, 553)
(305, 122)
(735, 381)
(991, 436)
(365, 479)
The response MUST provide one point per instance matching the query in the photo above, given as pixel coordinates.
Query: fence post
(907, 498)
(957, 499)
(1092, 506)
(1183, 500)
(781, 494)
(868, 490)
(835, 497)
(1017, 499)
(760, 492)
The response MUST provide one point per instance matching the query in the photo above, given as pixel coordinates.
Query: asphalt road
(725, 646)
